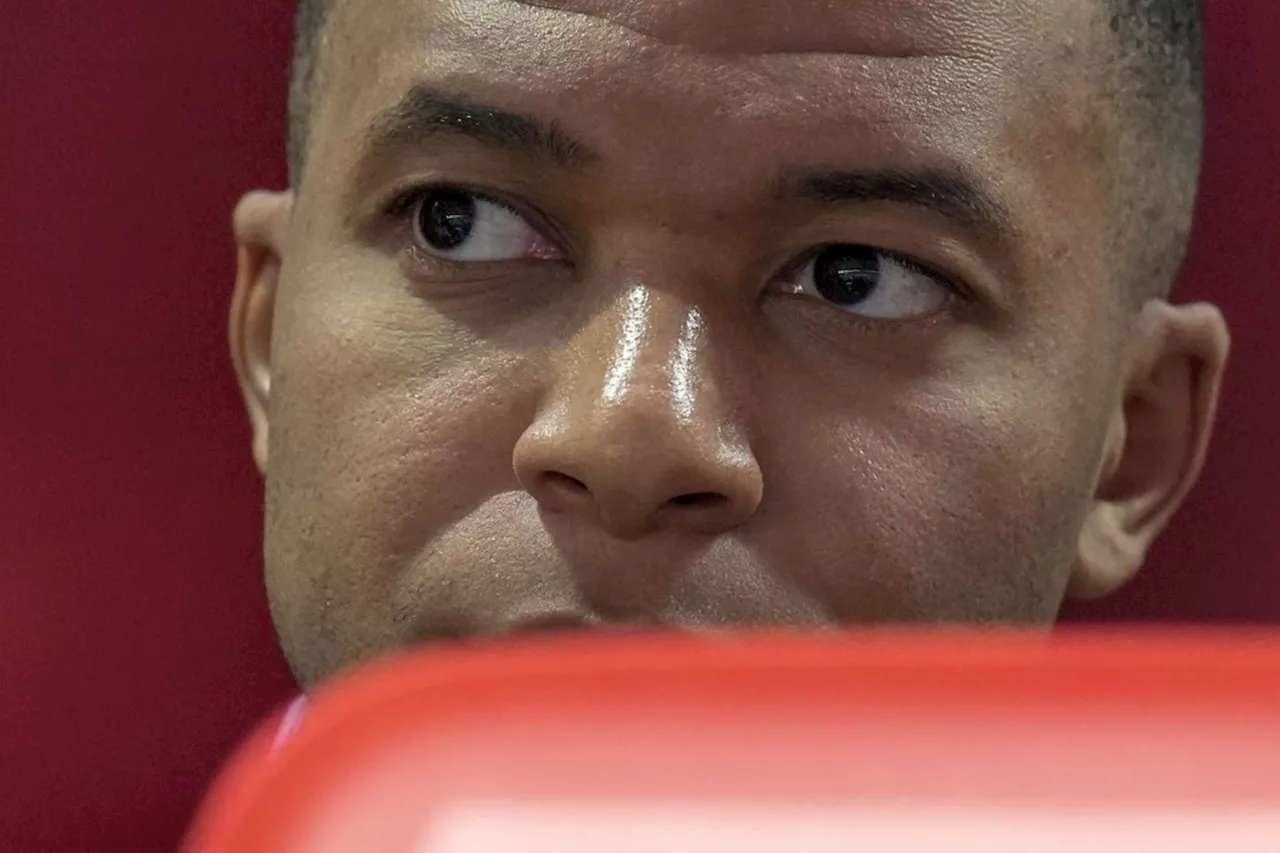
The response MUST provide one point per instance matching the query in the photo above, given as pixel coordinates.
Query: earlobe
(1156, 444)
(261, 226)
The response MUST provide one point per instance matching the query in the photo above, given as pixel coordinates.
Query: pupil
(447, 218)
(845, 274)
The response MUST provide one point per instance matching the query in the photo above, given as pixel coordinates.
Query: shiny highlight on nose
(682, 369)
(635, 322)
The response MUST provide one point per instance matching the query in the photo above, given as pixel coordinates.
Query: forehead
(956, 71)
(870, 27)
(575, 40)
(783, 56)
(991, 28)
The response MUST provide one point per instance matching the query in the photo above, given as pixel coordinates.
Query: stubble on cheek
(954, 510)
(388, 425)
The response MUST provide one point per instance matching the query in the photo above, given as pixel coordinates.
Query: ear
(261, 224)
(1156, 444)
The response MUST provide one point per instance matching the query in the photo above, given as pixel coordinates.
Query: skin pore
(703, 313)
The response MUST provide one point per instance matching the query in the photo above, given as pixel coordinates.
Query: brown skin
(645, 427)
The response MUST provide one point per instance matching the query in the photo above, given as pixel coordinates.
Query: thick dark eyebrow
(946, 192)
(424, 113)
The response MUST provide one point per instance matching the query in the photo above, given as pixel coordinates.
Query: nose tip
(638, 429)
(633, 491)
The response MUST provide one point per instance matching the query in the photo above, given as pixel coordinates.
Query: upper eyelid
(403, 201)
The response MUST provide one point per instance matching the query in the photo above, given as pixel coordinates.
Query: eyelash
(402, 203)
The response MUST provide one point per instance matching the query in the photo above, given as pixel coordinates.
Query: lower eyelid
(846, 327)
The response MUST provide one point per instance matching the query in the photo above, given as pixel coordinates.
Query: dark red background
(134, 641)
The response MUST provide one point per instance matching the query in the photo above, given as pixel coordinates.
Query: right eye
(872, 283)
(460, 225)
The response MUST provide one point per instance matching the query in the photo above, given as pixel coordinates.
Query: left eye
(464, 226)
(871, 283)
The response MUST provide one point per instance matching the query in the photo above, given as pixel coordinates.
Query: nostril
(563, 482)
(700, 500)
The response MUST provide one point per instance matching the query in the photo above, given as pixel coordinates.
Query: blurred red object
(903, 741)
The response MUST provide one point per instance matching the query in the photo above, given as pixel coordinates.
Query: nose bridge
(653, 351)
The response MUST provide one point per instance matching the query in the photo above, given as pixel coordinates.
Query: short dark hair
(308, 30)
(1160, 84)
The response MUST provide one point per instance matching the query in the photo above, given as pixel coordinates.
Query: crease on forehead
(762, 65)
(869, 28)
(956, 54)
(607, 84)
(1007, 36)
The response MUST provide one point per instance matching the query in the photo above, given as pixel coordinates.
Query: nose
(637, 433)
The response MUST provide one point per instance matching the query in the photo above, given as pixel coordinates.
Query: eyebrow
(948, 192)
(425, 112)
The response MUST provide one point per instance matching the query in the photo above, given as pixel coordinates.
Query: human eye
(464, 226)
(871, 283)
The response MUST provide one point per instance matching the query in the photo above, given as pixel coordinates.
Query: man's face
(691, 313)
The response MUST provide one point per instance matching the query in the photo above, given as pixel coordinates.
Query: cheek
(388, 425)
(963, 508)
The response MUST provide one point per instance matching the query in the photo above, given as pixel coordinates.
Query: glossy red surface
(530, 745)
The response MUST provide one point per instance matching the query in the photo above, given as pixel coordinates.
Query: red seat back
(897, 741)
